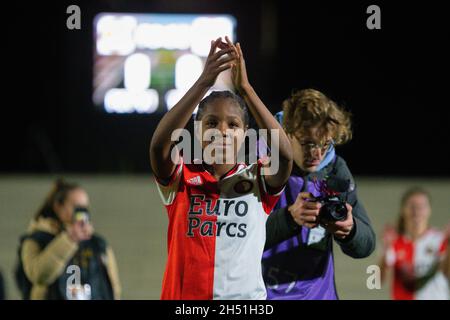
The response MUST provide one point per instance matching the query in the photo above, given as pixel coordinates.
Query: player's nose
(316, 153)
(224, 130)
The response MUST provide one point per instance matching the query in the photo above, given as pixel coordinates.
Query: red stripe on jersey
(187, 249)
(404, 264)
(444, 246)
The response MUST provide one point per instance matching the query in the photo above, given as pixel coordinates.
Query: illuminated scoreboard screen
(144, 63)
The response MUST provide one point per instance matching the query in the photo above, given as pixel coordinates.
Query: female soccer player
(217, 211)
(417, 253)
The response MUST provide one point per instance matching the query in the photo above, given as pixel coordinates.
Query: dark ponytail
(58, 194)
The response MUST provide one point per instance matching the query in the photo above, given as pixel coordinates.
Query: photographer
(60, 257)
(302, 266)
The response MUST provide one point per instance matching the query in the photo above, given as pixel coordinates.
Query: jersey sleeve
(168, 188)
(269, 195)
(443, 247)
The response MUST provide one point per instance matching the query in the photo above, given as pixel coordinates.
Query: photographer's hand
(305, 212)
(341, 229)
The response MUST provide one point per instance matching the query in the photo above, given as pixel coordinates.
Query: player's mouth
(223, 145)
(312, 163)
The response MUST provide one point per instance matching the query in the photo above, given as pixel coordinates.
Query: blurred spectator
(60, 257)
(417, 253)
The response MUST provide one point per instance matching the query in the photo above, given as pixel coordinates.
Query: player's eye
(211, 123)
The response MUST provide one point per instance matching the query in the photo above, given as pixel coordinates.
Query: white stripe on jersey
(231, 280)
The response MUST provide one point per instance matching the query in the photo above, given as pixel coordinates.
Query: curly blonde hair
(310, 108)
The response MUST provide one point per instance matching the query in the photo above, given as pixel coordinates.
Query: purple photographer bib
(302, 267)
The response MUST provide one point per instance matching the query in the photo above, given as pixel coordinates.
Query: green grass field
(128, 212)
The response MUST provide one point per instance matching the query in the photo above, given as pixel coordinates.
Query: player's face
(75, 198)
(309, 149)
(417, 209)
(223, 130)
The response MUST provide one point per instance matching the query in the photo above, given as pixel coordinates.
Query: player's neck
(219, 170)
(415, 231)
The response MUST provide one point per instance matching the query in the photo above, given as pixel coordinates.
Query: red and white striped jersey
(418, 259)
(216, 233)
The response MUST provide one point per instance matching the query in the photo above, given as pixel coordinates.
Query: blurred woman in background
(60, 257)
(417, 253)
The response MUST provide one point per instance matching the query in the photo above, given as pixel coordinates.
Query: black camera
(81, 214)
(334, 196)
(333, 209)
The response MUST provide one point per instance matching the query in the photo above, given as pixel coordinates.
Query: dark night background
(393, 80)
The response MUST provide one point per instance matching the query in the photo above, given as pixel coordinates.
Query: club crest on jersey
(195, 181)
(243, 186)
(429, 250)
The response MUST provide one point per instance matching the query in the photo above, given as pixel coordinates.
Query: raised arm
(179, 116)
(264, 119)
(388, 237)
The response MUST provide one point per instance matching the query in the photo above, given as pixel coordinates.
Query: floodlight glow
(205, 29)
(187, 70)
(125, 101)
(145, 63)
(148, 35)
(173, 96)
(173, 36)
(117, 102)
(137, 72)
(115, 35)
(146, 101)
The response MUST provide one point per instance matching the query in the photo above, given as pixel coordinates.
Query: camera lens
(333, 211)
(340, 212)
